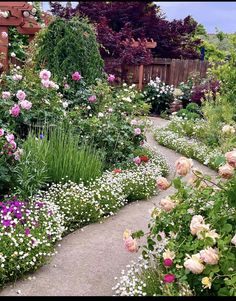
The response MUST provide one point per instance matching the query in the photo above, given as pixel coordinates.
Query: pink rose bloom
(137, 131)
(209, 256)
(167, 204)
(111, 78)
(231, 158)
(20, 95)
(13, 144)
(76, 76)
(168, 262)
(53, 85)
(131, 245)
(1, 132)
(17, 154)
(17, 77)
(137, 160)
(45, 83)
(15, 111)
(183, 166)
(10, 137)
(133, 122)
(226, 171)
(169, 278)
(6, 94)
(4, 35)
(162, 183)
(194, 264)
(196, 224)
(25, 104)
(233, 240)
(66, 86)
(92, 99)
(45, 74)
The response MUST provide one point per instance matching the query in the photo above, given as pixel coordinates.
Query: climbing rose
(168, 262)
(111, 78)
(10, 137)
(231, 158)
(183, 166)
(25, 104)
(162, 183)
(137, 160)
(45, 74)
(209, 256)
(131, 245)
(76, 76)
(15, 110)
(226, 171)
(167, 204)
(1, 132)
(137, 131)
(20, 95)
(194, 264)
(233, 240)
(6, 94)
(169, 278)
(92, 99)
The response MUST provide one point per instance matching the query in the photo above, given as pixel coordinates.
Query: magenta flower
(137, 160)
(20, 95)
(169, 278)
(25, 104)
(92, 98)
(111, 78)
(27, 231)
(15, 110)
(10, 137)
(6, 94)
(13, 144)
(76, 76)
(137, 131)
(168, 262)
(45, 74)
(1, 132)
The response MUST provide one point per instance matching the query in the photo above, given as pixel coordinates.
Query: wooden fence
(170, 71)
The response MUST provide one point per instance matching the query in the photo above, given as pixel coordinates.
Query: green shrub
(68, 46)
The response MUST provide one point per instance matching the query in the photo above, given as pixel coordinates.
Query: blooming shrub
(29, 230)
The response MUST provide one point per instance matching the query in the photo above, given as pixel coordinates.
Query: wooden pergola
(16, 14)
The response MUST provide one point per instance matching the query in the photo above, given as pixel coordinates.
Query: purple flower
(6, 223)
(27, 231)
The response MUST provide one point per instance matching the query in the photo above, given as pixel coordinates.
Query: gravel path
(89, 258)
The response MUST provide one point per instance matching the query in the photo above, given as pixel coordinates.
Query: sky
(210, 14)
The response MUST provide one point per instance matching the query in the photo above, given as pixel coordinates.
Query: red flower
(168, 278)
(117, 170)
(168, 262)
(144, 158)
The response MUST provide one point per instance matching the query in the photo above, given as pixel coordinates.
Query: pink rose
(111, 78)
(6, 94)
(1, 132)
(66, 86)
(45, 83)
(15, 111)
(233, 240)
(196, 224)
(17, 77)
(45, 74)
(209, 256)
(10, 137)
(17, 154)
(4, 35)
(76, 76)
(137, 160)
(167, 204)
(169, 278)
(92, 99)
(194, 264)
(133, 122)
(137, 131)
(168, 262)
(127, 233)
(25, 104)
(131, 245)
(13, 144)
(183, 166)
(231, 158)
(162, 183)
(20, 95)
(226, 171)
(53, 85)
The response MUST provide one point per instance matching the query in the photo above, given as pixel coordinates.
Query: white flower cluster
(160, 87)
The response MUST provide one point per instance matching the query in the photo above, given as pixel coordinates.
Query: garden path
(89, 258)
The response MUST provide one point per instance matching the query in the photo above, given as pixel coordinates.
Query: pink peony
(194, 264)
(45, 74)
(1, 132)
(17, 77)
(4, 35)
(131, 245)
(209, 256)
(226, 171)
(92, 99)
(25, 104)
(233, 240)
(183, 166)
(15, 110)
(137, 131)
(168, 262)
(20, 95)
(10, 137)
(111, 78)
(169, 278)
(231, 158)
(167, 204)
(137, 160)
(76, 76)
(162, 183)
(6, 94)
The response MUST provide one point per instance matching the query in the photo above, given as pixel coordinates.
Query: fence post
(140, 77)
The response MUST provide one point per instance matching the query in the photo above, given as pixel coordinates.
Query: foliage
(65, 47)
(192, 111)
